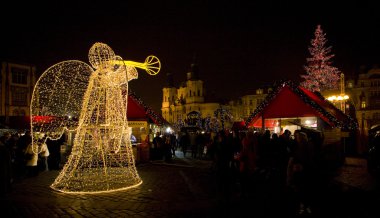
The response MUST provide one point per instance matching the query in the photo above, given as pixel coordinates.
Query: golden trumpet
(152, 64)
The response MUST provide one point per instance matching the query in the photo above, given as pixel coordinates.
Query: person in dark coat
(5, 165)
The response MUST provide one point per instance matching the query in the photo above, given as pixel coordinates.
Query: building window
(19, 96)
(363, 105)
(19, 75)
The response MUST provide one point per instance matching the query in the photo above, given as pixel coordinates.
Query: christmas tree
(320, 75)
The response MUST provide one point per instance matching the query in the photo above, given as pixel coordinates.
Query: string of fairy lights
(348, 123)
(93, 105)
(157, 118)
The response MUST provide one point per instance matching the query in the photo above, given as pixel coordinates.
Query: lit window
(363, 104)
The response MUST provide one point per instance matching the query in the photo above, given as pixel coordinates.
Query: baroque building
(189, 97)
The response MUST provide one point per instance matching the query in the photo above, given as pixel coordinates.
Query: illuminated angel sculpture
(92, 104)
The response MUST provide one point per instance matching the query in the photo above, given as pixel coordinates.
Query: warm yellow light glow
(152, 64)
(338, 98)
(331, 98)
(92, 104)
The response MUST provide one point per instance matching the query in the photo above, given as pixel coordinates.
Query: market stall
(291, 107)
(144, 124)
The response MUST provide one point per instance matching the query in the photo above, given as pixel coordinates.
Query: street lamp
(339, 99)
(342, 97)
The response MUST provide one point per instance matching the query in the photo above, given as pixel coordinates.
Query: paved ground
(187, 188)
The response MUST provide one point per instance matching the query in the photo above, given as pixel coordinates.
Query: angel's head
(101, 55)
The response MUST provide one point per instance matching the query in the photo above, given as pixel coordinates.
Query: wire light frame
(72, 96)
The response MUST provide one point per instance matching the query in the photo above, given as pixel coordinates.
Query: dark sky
(240, 45)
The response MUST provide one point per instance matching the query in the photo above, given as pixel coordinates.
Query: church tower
(178, 102)
(169, 98)
(194, 86)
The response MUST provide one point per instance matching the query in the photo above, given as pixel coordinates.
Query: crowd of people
(259, 161)
(267, 166)
(19, 159)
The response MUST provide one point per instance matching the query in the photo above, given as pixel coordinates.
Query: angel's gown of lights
(101, 157)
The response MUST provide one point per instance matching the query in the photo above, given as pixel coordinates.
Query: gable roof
(137, 110)
(289, 100)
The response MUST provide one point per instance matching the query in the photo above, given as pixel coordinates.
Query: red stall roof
(137, 110)
(289, 100)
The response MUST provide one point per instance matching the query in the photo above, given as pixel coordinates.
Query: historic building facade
(16, 88)
(242, 108)
(365, 98)
(177, 103)
(363, 103)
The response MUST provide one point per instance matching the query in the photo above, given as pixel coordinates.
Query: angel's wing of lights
(57, 98)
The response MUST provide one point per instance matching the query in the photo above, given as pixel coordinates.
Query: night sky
(239, 45)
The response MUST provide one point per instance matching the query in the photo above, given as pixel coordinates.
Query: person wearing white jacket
(32, 158)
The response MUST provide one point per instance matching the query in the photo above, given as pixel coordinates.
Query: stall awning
(288, 100)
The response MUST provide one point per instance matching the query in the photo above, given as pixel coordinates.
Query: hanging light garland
(93, 105)
(157, 118)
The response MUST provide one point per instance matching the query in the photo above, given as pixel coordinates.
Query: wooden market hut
(144, 123)
(292, 107)
(142, 119)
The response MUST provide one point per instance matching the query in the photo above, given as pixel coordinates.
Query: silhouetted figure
(21, 158)
(184, 143)
(300, 172)
(167, 151)
(224, 156)
(5, 165)
(54, 147)
(247, 160)
(158, 144)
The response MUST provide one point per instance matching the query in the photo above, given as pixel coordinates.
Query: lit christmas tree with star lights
(320, 74)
